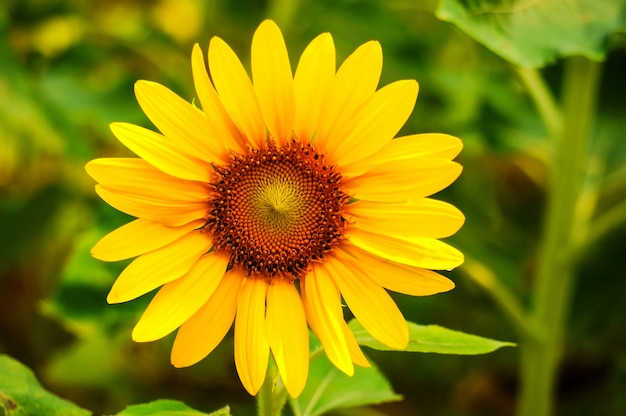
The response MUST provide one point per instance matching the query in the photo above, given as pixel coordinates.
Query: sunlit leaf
(168, 408)
(22, 395)
(328, 388)
(534, 33)
(433, 338)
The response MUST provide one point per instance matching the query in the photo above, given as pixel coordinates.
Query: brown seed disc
(276, 209)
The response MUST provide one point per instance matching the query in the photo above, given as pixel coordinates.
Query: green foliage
(22, 395)
(168, 408)
(433, 338)
(328, 388)
(532, 33)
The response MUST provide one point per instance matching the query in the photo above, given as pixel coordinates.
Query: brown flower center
(276, 209)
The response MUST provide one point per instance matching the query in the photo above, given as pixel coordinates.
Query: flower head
(277, 198)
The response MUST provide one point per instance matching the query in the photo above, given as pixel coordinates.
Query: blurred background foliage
(67, 69)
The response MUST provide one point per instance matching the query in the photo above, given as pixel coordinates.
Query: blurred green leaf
(107, 370)
(168, 408)
(534, 33)
(22, 395)
(433, 338)
(328, 388)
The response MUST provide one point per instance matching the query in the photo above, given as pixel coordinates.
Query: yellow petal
(203, 331)
(136, 176)
(378, 121)
(431, 145)
(397, 277)
(420, 218)
(273, 81)
(322, 304)
(404, 180)
(357, 355)
(173, 213)
(159, 267)
(428, 253)
(356, 80)
(139, 237)
(251, 345)
(221, 127)
(160, 153)
(288, 334)
(314, 74)
(370, 304)
(236, 91)
(139, 189)
(179, 121)
(176, 301)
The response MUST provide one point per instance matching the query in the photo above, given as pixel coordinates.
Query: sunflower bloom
(279, 197)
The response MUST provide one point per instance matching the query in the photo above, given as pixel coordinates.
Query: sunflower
(275, 200)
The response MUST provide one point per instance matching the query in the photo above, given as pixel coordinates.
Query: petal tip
(294, 390)
(179, 361)
(113, 297)
(146, 333)
(268, 24)
(88, 167)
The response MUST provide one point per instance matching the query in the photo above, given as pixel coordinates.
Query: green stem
(272, 397)
(555, 274)
(600, 227)
(502, 296)
(541, 95)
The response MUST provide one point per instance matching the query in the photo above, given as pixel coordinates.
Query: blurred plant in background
(543, 189)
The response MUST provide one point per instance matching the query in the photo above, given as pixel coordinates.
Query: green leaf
(22, 395)
(168, 408)
(328, 388)
(433, 338)
(534, 33)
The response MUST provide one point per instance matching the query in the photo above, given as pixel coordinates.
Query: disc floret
(276, 209)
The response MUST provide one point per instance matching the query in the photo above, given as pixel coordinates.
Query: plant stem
(555, 273)
(541, 95)
(272, 397)
(601, 226)
(502, 296)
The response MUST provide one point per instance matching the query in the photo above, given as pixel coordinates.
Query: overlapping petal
(273, 81)
(322, 304)
(428, 145)
(420, 218)
(288, 334)
(177, 301)
(377, 121)
(312, 82)
(428, 253)
(139, 237)
(394, 276)
(356, 353)
(158, 267)
(161, 153)
(350, 88)
(161, 209)
(136, 176)
(404, 180)
(236, 91)
(179, 121)
(203, 331)
(370, 303)
(251, 344)
(221, 127)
